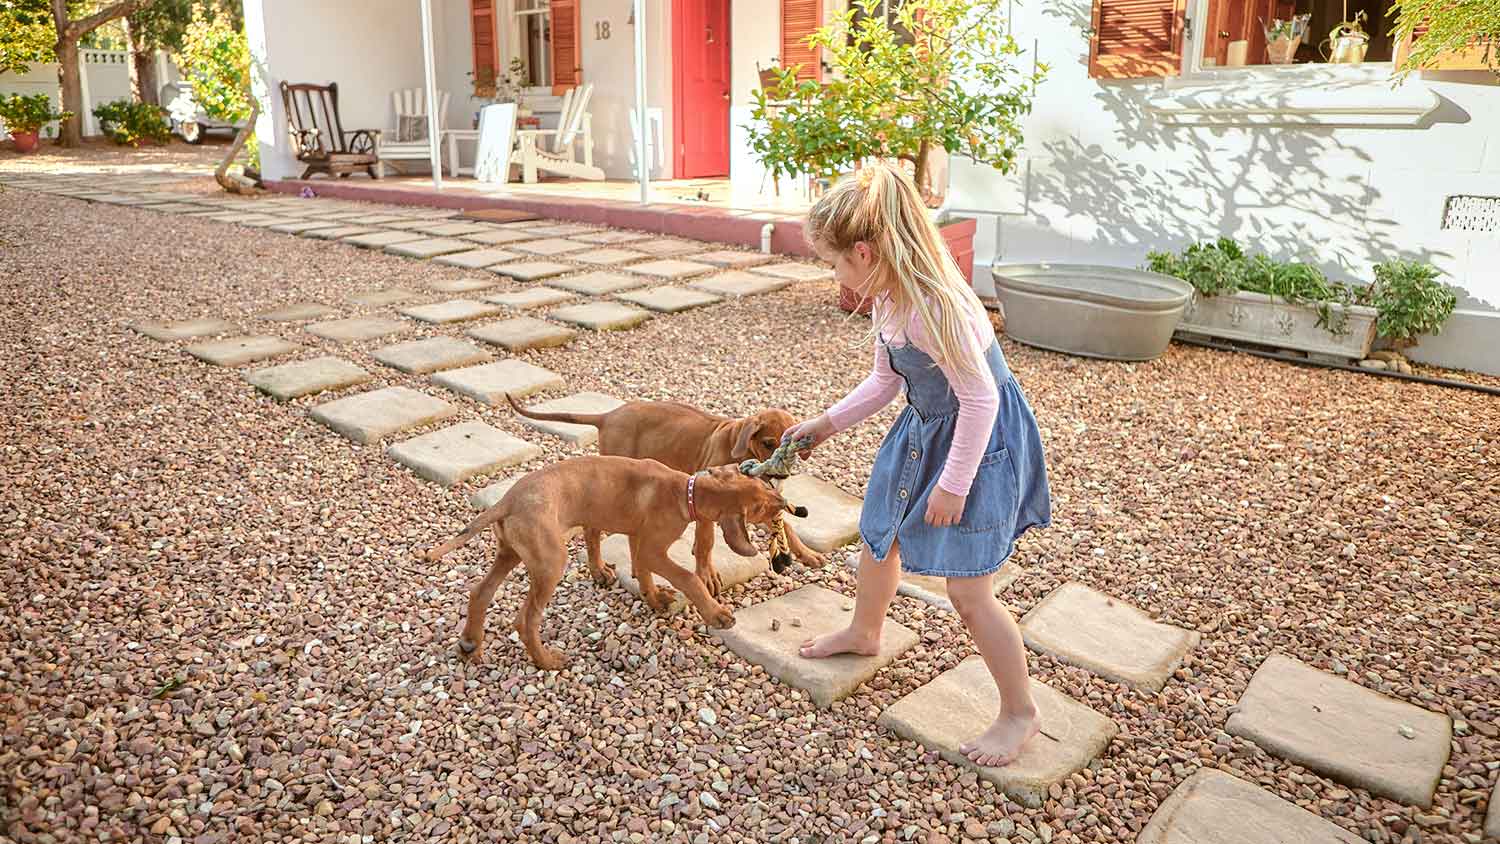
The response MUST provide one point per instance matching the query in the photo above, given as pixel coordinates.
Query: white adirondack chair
(410, 106)
(573, 130)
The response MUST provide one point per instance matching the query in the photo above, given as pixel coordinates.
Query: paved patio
(284, 433)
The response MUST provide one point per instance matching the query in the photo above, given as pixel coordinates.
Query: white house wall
(369, 47)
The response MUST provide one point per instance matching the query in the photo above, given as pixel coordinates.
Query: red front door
(700, 55)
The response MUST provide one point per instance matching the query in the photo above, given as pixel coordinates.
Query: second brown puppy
(687, 439)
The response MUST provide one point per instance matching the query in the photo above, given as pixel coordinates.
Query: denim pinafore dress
(1009, 493)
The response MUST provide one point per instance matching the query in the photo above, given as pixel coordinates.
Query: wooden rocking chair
(318, 136)
(573, 130)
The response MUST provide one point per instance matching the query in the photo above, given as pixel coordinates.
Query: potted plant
(25, 116)
(1283, 37)
(510, 87)
(929, 79)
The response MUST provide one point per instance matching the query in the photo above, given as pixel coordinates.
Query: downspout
(765, 237)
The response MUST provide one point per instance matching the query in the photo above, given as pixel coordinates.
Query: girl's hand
(818, 430)
(944, 508)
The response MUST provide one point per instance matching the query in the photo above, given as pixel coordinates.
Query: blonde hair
(881, 207)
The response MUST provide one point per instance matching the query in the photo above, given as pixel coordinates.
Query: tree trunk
(145, 75)
(71, 134)
(132, 72)
(238, 184)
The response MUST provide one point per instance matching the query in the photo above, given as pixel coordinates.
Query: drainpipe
(765, 237)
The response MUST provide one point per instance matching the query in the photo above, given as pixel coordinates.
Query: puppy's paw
(662, 599)
(550, 660)
(812, 559)
(470, 651)
(721, 618)
(604, 575)
(711, 579)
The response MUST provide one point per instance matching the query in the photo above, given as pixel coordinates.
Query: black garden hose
(1301, 361)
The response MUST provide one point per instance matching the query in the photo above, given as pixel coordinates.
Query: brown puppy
(689, 440)
(643, 499)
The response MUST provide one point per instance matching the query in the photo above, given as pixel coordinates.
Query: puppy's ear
(743, 431)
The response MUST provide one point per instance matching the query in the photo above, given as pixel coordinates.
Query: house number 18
(601, 30)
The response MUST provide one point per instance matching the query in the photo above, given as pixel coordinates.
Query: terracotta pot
(25, 141)
(959, 237)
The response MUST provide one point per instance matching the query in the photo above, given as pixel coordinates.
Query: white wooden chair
(654, 161)
(573, 130)
(408, 139)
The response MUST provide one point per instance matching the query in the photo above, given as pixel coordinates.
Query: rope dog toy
(779, 466)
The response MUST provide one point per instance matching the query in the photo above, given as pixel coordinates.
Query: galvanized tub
(1100, 312)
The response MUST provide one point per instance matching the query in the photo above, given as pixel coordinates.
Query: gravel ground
(217, 629)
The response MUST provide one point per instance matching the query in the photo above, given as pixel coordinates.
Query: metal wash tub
(1095, 311)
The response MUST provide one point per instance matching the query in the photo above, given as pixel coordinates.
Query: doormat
(499, 215)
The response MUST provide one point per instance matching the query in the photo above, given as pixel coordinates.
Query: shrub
(28, 113)
(1410, 300)
(130, 123)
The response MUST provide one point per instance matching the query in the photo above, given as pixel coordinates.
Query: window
(889, 9)
(531, 22)
(1281, 32)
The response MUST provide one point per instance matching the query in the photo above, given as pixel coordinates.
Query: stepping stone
(796, 272)
(369, 417)
(532, 270)
(498, 237)
(461, 451)
(491, 381)
(292, 380)
(375, 219)
(733, 569)
(521, 333)
(1344, 731)
(389, 296)
(606, 256)
(302, 226)
(963, 701)
(455, 229)
(476, 259)
(1107, 636)
(582, 436)
(180, 207)
(233, 351)
(561, 230)
(734, 260)
(833, 515)
(817, 611)
(672, 269)
(488, 497)
(431, 355)
(453, 310)
(337, 232)
(268, 222)
(183, 329)
(1212, 807)
(598, 283)
(1492, 815)
(407, 224)
(549, 246)
(602, 316)
(739, 284)
(667, 247)
(380, 239)
(299, 311)
(429, 247)
(670, 300)
(462, 285)
(612, 236)
(535, 297)
(354, 329)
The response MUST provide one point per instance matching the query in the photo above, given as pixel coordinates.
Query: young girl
(960, 475)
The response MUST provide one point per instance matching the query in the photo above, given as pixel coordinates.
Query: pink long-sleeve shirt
(977, 394)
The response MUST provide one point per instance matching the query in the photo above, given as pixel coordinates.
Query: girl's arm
(878, 389)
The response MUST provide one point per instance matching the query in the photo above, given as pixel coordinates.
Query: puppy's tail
(593, 419)
(476, 527)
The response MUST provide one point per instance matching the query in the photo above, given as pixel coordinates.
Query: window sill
(1292, 95)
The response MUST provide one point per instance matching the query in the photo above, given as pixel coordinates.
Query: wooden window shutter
(567, 57)
(799, 19)
(486, 47)
(1136, 38)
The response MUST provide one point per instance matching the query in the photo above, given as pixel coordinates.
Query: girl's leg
(875, 588)
(999, 641)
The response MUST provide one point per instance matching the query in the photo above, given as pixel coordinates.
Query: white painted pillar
(90, 124)
(434, 143)
(644, 170)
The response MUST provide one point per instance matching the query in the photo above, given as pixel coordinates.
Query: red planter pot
(958, 235)
(25, 141)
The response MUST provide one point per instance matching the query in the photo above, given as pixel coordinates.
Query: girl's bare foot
(1002, 743)
(846, 641)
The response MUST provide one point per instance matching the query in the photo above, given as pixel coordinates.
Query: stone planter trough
(1268, 321)
(1103, 312)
